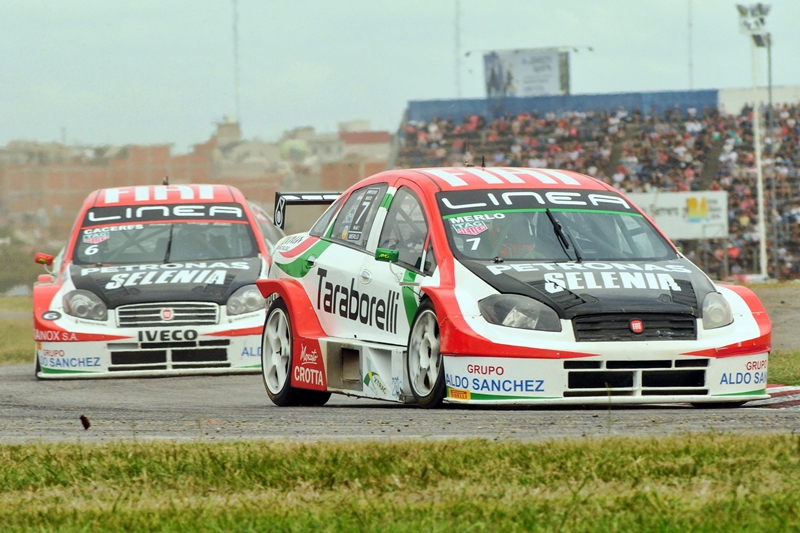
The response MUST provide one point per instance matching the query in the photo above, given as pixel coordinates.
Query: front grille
(666, 377)
(181, 313)
(171, 355)
(616, 327)
(198, 356)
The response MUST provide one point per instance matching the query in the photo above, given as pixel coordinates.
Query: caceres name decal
(155, 213)
(358, 306)
(458, 202)
(98, 235)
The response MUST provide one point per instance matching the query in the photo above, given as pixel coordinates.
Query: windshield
(163, 243)
(548, 226)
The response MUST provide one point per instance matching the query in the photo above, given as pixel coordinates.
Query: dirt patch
(782, 303)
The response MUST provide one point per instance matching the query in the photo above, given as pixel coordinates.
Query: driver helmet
(520, 239)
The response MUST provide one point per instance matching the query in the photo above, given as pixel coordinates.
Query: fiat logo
(167, 314)
(636, 326)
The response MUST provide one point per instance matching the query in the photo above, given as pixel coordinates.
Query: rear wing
(282, 199)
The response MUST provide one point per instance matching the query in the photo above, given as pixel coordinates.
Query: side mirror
(387, 255)
(44, 259)
(45, 278)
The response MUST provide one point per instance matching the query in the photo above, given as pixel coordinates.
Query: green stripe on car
(409, 298)
(300, 266)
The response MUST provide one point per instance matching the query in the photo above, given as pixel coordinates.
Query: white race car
(501, 286)
(155, 280)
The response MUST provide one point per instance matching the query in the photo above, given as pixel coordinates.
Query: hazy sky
(152, 71)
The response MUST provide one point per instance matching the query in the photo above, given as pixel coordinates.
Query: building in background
(42, 185)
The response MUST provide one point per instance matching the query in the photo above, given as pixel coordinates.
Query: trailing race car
(154, 280)
(501, 286)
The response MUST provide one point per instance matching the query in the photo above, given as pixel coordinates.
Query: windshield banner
(157, 213)
(458, 203)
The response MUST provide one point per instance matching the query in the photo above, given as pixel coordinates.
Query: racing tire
(717, 405)
(37, 367)
(424, 362)
(276, 361)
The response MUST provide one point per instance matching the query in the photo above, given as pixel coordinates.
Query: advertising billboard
(531, 72)
(687, 215)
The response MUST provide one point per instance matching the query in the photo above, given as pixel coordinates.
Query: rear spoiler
(282, 199)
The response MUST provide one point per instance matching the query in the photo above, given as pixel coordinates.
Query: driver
(520, 240)
(190, 242)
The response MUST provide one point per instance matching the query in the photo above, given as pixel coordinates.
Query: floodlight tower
(752, 20)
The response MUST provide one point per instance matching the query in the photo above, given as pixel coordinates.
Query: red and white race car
(155, 280)
(501, 286)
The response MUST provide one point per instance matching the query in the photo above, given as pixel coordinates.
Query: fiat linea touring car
(501, 286)
(155, 280)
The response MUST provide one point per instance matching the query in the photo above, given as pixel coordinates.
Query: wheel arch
(302, 315)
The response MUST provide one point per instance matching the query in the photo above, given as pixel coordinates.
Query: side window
(405, 229)
(321, 225)
(354, 221)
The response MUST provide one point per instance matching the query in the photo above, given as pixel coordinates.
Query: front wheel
(37, 367)
(717, 405)
(423, 360)
(276, 361)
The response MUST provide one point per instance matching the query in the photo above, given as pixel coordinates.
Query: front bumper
(127, 352)
(605, 380)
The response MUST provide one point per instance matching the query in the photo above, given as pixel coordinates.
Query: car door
(405, 229)
(334, 284)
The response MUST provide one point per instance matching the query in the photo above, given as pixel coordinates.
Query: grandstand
(637, 142)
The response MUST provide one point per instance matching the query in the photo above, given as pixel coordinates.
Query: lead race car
(501, 286)
(155, 280)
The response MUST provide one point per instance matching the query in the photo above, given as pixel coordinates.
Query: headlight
(85, 304)
(245, 300)
(716, 311)
(521, 312)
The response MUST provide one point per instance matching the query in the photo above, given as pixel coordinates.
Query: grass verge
(16, 304)
(690, 483)
(16, 333)
(784, 368)
(17, 341)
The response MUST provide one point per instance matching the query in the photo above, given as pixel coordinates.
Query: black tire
(37, 367)
(277, 344)
(312, 398)
(717, 405)
(424, 362)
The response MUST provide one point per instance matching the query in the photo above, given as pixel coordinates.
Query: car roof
(465, 178)
(165, 194)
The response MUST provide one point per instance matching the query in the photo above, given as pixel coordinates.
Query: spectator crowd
(634, 151)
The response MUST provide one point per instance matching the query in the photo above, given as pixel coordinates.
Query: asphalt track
(225, 408)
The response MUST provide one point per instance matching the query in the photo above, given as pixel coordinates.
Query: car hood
(575, 289)
(203, 281)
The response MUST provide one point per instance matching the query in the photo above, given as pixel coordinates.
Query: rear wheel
(423, 360)
(276, 361)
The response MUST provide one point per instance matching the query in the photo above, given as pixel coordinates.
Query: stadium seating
(677, 150)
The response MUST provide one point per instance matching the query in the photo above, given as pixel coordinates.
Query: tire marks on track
(781, 397)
